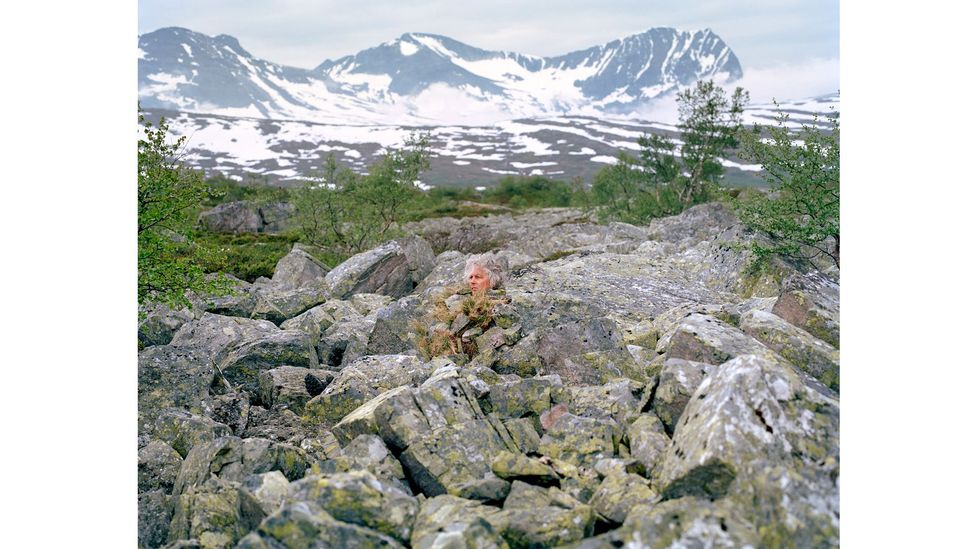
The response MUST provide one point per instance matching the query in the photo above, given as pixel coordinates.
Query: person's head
(483, 272)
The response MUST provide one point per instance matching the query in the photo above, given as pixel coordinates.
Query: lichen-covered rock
(647, 442)
(232, 217)
(282, 425)
(704, 338)
(270, 489)
(161, 324)
(579, 440)
(512, 466)
(392, 331)
(358, 497)
(305, 524)
(687, 522)
(363, 380)
(217, 512)
(292, 386)
(367, 452)
(441, 518)
(547, 526)
(172, 377)
(239, 302)
(678, 381)
(619, 400)
(514, 398)
(524, 433)
(456, 459)
(278, 304)
(219, 334)
(155, 514)
(182, 430)
(362, 420)
(233, 409)
(260, 455)
(298, 269)
(245, 362)
(619, 493)
(320, 318)
(752, 430)
(220, 457)
(344, 342)
(526, 496)
(811, 302)
(805, 351)
(394, 269)
(159, 464)
(367, 304)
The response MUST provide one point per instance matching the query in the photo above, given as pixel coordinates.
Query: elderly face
(478, 279)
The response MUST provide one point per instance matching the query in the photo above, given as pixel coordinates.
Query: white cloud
(794, 81)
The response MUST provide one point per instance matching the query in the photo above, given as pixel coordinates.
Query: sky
(783, 45)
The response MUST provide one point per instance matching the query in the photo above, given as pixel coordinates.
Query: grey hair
(493, 264)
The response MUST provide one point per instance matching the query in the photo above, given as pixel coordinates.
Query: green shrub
(530, 192)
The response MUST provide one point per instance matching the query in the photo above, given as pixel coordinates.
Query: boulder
(292, 386)
(219, 334)
(345, 342)
(619, 493)
(155, 514)
(368, 453)
(647, 442)
(547, 526)
(158, 466)
(687, 522)
(803, 350)
(394, 269)
(173, 377)
(526, 496)
(299, 269)
(367, 304)
(280, 424)
(217, 513)
(517, 397)
(704, 338)
(679, 380)
(620, 400)
(261, 455)
(811, 302)
(320, 318)
(360, 498)
(579, 440)
(278, 304)
(362, 420)
(456, 459)
(393, 329)
(443, 519)
(757, 435)
(525, 434)
(513, 466)
(182, 430)
(305, 524)
(233, 217)
(269, 489)
(160, 325)
(233, 459)
(244, 363)
(275, 216)
(233, 409)
(363, 380)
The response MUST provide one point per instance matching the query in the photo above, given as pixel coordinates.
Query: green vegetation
(344, 211)
(802, 216)
(661, 182)
(170, 261)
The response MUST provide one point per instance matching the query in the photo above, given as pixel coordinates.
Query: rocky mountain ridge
(393, 82)
(642, 387)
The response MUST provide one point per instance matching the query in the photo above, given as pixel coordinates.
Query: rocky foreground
(644, 390)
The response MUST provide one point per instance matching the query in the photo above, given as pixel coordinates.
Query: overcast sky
(303, 33)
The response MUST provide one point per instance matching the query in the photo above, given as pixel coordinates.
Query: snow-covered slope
(425, 79)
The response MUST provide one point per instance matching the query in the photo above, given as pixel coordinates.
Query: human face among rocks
(478, 280)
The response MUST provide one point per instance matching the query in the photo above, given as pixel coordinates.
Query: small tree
(802, 218)
(169, 262)
(662, 182)
(348, 212)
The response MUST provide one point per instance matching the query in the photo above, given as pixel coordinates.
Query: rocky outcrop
(245, 217)
(642, 387)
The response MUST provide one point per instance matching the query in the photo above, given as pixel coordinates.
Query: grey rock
(182, 430)
(306, 524)
(619, 494)
(160, 325)
(687, 522)
(298, 269)
(363, 380)
(368, 452)
(362, 420)
(526, 496)
(811, 302)
(233, 217)
(620, 400)
(261, 455)
(172, 377)
(394, 269)
(280, 424)
(360, 498)
(803, 350)
(392, 331)
(345, 342)
(579, 440)
(270, 489)
(647, 442)
(159, 464)
(320, 318)
(233, 410)
(704, 338)
(278, 303)
(548, 526)
(292, 386)
(443, 518)
(367, 304)
(155, 514)
(216, 512)
(678, 381)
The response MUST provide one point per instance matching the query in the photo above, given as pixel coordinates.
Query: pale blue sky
(303, 33)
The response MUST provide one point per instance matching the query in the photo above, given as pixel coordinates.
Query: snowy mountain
(425, 79)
